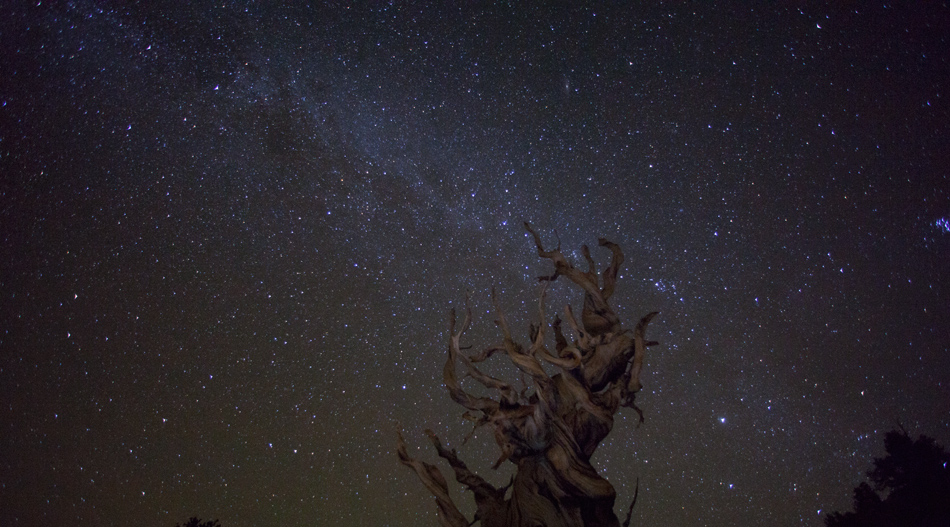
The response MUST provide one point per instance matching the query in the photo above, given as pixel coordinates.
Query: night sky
(232, 235)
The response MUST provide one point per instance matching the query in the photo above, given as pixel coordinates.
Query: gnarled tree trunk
(550, 434)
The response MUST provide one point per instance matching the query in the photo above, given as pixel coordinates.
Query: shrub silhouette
(911, 487)
(195, 522)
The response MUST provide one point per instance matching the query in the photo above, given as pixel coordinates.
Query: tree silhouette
(550, 432)
(911, 487)
(195, 522)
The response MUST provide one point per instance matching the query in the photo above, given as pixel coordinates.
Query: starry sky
(232, 234)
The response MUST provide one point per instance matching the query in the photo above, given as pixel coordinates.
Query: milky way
(233, 234)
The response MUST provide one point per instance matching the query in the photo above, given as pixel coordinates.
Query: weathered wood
(550, 434)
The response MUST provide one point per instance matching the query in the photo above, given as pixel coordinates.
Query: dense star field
(232, 235)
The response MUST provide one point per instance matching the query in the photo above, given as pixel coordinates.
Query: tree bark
(551, 433)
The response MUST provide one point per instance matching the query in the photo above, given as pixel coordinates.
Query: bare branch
(569, 357)
(559, 341)
(636, 492)
(597, 316)
(450, 376)
(583, 339)
(487, 498)
(432, 478)
(523, 361)
(610, 273)
(591, 266)
(485, 354)
(563, 267)
(640, 348)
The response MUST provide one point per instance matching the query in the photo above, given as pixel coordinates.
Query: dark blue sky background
(232, 235)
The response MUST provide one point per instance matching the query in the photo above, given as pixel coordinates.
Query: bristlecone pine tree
(549, 433)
